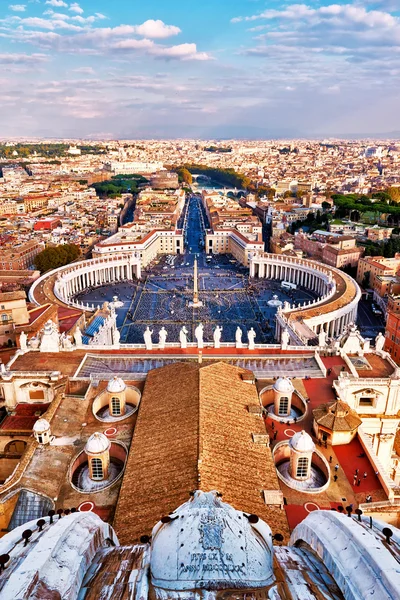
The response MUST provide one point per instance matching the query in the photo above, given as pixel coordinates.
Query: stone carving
(199, 332)
(183, 337)
(50, 341)
(23, 338)
(78, 337)
(162, 337)
(379, 342)
(238, 337)
(217, 337)
(285, 338)
(322, 338)
(147, 338)
(251, 336)
(116, 337)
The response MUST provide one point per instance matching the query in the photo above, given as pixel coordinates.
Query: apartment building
(375, 266)
(13, 312)
(19, 256)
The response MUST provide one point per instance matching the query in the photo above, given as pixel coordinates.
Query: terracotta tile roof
(337, 416)
(194, 431)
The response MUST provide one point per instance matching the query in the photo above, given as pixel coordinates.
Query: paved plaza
(162, 298)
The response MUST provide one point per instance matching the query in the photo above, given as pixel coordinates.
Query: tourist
(272, 425)
(356, 471)
(275, 435)
(354, 479)
(358, 482)
(336, 467)
(365, 475)
(330, 459)
(335, 477)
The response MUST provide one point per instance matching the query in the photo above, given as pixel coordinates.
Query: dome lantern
(283, 392)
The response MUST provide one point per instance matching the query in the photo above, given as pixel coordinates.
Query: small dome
(241, 549)
(41, 426)
(284, 386)
(116, 385)
(302, 442)
(97, 443)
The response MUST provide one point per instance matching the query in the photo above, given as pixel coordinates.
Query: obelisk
(196, 303)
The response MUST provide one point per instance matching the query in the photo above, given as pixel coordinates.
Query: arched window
(115, 406)
(15, 447)
(283, 405)
(97, 469)
(302, 467)
(40, 439)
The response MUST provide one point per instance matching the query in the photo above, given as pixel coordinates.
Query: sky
(210, 69)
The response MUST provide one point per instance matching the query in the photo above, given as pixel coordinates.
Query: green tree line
(56, 256)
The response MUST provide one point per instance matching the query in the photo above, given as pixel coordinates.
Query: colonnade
(328, 283)
(72, 279)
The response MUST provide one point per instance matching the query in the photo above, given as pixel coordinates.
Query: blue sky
(210, 69)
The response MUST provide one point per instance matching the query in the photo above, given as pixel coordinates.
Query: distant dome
(302, 442)
(116, 385)
(41, 426)
(207, 544)
(284, 386)
(97, 443)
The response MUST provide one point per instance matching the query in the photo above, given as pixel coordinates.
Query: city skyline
(237, 70)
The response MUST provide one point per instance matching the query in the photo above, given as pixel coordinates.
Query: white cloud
(156, 29)
(56, 3)
(84, 70)
(14, 59)
(74, 7)
(17, 7)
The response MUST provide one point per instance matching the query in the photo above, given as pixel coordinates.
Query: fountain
(275, 302)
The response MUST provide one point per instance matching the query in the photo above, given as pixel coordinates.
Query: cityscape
(199, 301)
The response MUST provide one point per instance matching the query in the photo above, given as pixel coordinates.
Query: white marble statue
(147, 338)
(285, 338)
(199, 332)
(66, 342)
(238, 337)
(116, 337)
(379, 342)
(78, 337)
(50, 341)
(23, 338)
(322, 338)
(183, 337)
(162, 338)
(251, 336)
(217, 336)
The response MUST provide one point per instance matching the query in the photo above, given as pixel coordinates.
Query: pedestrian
(356, 471)
(275, 435)
(272, 425)
(336, 467)
(365, 475)
(354, 479)
(330, 459)
(335, 477)
(376, 473)
(358, 482)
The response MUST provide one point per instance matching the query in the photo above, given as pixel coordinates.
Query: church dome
(302, 442)
(41, 426)
(116, 385)
(97, 444)
(208, 544)
(284, 386)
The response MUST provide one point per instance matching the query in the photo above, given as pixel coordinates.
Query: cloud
(24, 59)
(56, 3)
(74, 7)
(17, 7)
(156, 29)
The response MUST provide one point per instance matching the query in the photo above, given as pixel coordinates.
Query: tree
(325, 206)
(394, 193)
(54, 257)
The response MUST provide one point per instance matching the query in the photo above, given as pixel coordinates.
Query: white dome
(97, 443)
(284, 386)
(302, 442)
(116, 385)
(203, 527)
(41, 426)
